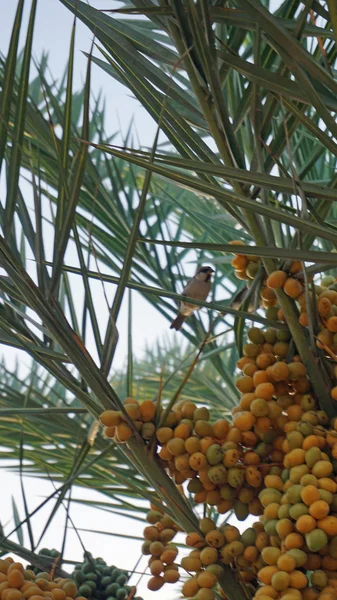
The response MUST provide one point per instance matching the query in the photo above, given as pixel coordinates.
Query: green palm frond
(243, 96)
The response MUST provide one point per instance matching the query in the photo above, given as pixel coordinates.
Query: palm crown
(245, 97)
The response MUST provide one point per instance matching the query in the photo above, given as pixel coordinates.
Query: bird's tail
(177, 323)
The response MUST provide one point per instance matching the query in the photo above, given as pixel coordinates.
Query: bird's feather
(198, 287)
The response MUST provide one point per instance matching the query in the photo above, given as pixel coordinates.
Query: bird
(198, 287)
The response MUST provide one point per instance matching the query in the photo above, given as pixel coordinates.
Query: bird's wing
(197, 289)
(184, 293)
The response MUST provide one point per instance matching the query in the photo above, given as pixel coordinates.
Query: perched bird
(198, 288)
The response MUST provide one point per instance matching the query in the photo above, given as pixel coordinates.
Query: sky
(121, 109)
(52, 34)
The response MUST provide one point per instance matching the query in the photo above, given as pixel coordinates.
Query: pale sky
(121, 108)
(52, 34)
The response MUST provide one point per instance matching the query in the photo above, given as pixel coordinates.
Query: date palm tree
(243, 94)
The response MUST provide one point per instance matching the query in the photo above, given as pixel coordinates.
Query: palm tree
(244, 93)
